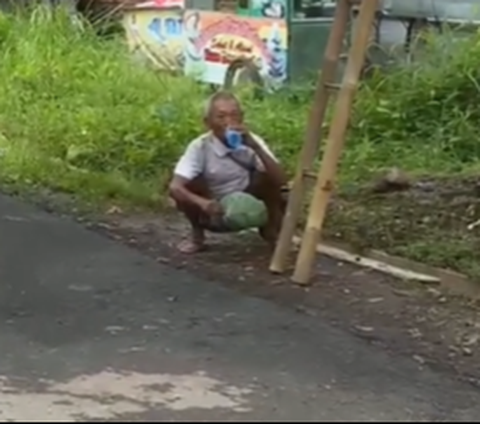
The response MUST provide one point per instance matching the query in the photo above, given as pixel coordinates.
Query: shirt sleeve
(258, 163)
(190, 164)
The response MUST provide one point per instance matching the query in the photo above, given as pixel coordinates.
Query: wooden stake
(335, 142)
(312, 135)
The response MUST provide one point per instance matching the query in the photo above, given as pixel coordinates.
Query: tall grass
(78, 114)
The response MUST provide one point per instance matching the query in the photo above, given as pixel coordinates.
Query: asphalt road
(91, 330)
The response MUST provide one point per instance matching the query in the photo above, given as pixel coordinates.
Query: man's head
(222, 110)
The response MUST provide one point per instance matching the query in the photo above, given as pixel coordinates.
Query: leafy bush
(429, 108)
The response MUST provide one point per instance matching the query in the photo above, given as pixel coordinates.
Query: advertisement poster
(275, 9)
(213, 40)
(158, 35)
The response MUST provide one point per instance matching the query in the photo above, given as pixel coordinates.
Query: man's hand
(211, 207)
(248, 140)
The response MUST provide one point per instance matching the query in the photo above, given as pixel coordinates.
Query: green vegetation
(423, 118)
(79, 115)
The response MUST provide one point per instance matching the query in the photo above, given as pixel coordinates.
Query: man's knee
(265, 189)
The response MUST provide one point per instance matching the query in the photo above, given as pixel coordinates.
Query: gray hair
(219, 95)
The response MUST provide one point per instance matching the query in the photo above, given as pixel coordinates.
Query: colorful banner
(158, 34)
(204, 44)
(213, 40)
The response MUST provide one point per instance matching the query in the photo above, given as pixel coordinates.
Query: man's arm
(188, 167)
(267, 162)
(179, 191)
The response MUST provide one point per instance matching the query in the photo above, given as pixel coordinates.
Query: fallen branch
(397, 272)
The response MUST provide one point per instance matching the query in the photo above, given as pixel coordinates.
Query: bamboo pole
(335, 142)
(312, 135)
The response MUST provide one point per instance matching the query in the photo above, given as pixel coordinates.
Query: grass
(78, 115)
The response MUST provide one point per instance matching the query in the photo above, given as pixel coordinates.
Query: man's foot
(194, 245)
(189, 247)
(268, 234)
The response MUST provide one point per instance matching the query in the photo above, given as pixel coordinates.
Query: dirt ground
(404, 318)
(435, 221)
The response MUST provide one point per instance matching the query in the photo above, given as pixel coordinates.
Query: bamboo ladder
(336, 138)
